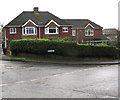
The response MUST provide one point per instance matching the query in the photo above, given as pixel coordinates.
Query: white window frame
(24, 31)
(87, 32)
(48, 28)
(53, 22)
(31, 22)
(65, 29)
(12, 30)
(73, 32)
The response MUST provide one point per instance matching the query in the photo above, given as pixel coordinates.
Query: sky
(102, 12)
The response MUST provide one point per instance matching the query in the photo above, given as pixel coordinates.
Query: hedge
(63, 48)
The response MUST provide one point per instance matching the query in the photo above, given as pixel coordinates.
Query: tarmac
(65, 62)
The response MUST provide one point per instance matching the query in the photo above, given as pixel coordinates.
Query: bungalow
(42, 24)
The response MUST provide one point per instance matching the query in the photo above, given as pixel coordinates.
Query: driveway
(35, 80)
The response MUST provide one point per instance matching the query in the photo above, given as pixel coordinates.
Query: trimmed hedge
(61, 47)
(40, 46)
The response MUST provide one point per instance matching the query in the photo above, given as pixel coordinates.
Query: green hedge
(40, 46)
(64, 48)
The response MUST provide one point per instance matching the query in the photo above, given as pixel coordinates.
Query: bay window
(89, 32)
(51, 30)
(29, 31)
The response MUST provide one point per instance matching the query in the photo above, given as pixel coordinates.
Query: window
(89, 32)
(29, 31)
(51, 30)
(12, 30)
(65, 29)
(73, 32)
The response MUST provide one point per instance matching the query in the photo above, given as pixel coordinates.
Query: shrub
(61, 47)
(40, 46)
(62, 39)
(100, 51)
(101, 44)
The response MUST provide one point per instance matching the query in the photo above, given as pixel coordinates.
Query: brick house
(42, 24)
(35, 24)
(86, 32)
(112, 35)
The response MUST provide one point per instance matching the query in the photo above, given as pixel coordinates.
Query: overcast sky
(102, 12)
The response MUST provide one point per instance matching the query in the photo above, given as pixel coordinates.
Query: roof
(95, 38)
(40, 18)
(111, 29)
(82, 23)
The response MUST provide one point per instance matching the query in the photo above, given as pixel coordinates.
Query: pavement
(36, 80)
(65, 62)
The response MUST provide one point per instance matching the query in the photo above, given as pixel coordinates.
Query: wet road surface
(35, 80)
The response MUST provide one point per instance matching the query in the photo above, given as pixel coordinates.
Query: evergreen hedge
(61, 47)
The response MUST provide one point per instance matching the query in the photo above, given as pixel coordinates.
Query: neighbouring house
(43, 24)
(111, 34)
(86, 32)
(1, 38)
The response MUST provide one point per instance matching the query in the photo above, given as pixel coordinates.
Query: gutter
(64, 62)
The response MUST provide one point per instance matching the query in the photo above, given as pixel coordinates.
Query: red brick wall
(97, 32)
(42, 32)
(18, 35)
(52, 25)
(29, 36)
(30, 24)
(60, 35)
(81, 34)
(66, 34)
(10, 37)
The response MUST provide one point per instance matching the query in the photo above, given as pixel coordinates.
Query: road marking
(34, 80)
(75, 71)
(3, 84)
(85, 69)
(9, 67)
(56, 75)
(109, 97)
(66, 73)
(20, 82)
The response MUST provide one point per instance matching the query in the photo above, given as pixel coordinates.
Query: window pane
(52, 30)
(89, 32)
(65, 29)
(30, 30)
(12, 30)
(73, 32)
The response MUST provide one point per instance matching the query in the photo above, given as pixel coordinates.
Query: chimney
(35, 10)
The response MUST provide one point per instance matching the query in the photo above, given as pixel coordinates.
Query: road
(35, 80)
